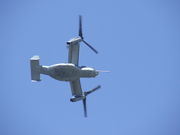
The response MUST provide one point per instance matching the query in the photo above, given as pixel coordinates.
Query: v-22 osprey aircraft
(71, 71)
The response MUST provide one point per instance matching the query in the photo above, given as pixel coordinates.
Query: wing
(76, 88)
(73, 56)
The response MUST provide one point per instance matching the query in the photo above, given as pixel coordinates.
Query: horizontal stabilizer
(35, 68)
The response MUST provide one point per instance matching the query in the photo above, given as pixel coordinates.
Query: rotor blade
(90, 91)
(85, 107)
(90, 46)
(80, 27)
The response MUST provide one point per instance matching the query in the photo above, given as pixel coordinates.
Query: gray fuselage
(68, 71)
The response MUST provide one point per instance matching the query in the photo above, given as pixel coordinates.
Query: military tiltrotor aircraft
(70, 71)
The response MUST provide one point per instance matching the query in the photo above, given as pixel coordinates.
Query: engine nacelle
(74, 41)
(77, 98)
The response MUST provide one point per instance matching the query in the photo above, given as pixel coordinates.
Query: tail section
(35, 68)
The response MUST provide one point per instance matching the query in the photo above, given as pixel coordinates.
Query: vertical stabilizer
(35, 68)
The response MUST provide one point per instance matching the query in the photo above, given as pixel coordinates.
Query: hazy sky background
(138, 41)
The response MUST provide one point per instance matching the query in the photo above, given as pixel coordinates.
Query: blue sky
(138, 41)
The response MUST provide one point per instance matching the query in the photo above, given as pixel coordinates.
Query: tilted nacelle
(77, 98)
(74, 41)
